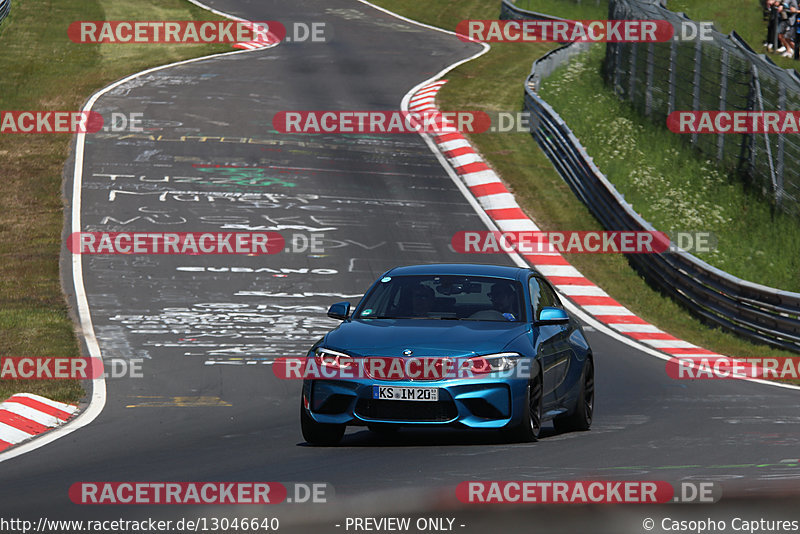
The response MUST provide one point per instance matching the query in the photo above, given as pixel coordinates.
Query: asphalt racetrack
(207, 406)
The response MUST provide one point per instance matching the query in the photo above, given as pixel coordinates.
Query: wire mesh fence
(5, 7)
(718, 73)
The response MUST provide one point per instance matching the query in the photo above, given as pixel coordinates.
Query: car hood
(390, 337)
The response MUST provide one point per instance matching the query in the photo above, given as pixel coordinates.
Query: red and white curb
(24, 415)
(495, 199)
(272, 40)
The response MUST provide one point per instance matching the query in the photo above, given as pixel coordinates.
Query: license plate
(405, 394)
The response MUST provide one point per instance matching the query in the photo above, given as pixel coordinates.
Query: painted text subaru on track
(476, 346)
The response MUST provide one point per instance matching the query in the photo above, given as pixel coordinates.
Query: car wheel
(319, 433)
(383, 429)
(581, 418)
(530, 427)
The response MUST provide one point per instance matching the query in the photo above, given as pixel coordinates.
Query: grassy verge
(567, 9)
(494, 82)
(670, 186)
(743, 16)
(43, 70)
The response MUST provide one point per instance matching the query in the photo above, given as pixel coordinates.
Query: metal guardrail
(508, 11)
(754, 311)
(5, 7)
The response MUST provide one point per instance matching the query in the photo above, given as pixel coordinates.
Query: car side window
(551, 297)
(542, 295)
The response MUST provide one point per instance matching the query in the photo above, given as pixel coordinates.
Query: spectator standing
(771, 8)
(788, 13)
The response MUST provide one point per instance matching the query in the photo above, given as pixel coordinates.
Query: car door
(553, 340)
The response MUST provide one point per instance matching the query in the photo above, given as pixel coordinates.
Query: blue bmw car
(475, 346)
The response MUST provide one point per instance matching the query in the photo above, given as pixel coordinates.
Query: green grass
(43, 70)
(494, 82)
(743, 16)
(567, 9)
(670, 186)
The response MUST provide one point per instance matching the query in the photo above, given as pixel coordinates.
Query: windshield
(469, 298)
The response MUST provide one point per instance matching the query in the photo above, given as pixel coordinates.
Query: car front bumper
(473, 403)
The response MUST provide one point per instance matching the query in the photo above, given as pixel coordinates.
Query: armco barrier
(509, 11)
(5, 7)
(757, 312)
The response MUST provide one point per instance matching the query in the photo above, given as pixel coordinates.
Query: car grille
(411, 411)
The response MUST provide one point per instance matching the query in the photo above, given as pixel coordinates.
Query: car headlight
(491, 363)
(332, 358)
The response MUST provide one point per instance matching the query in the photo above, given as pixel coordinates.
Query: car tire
(531, 426)
(581, 417)
(319, 434)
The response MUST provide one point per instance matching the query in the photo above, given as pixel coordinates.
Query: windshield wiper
(390, 317)
(416, 318)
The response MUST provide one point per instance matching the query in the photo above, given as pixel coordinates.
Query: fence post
(777, 189)
(632, 72)
(781, 150)
(673, 66)
(723, 93)
(698, 59)
(615, 53)
(648, 95)
(748, 139)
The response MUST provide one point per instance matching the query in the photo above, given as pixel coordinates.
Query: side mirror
(340, 310)
(549, 315)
